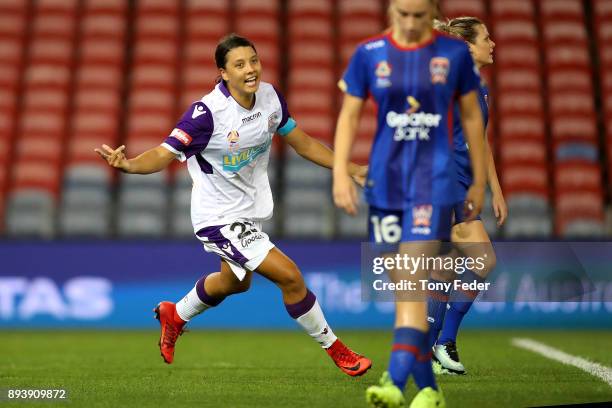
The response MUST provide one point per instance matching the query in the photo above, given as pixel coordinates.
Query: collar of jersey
(228, 95)
(414, 47)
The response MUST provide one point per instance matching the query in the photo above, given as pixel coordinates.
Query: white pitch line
(598, 370)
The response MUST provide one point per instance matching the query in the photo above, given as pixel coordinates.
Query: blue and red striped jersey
(411, 161)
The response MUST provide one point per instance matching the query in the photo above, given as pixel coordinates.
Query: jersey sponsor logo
(198, 111)
(439, 68)
(233, 138)
(383, 72)
(245, 242)
(182, 136)
(421, 219)
(412, 125)
(236, 161)
(251, 118)
(374, 45)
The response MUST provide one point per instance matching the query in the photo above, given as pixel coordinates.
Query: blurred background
(75, 74)
(78, 73)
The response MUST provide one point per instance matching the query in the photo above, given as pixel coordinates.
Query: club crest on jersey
(181, 136)
(439, 68)
(272, 121)
(383, 72)
(421, 219)
(232, 138)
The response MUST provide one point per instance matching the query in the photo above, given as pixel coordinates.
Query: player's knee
(244, 285)
(291, 279)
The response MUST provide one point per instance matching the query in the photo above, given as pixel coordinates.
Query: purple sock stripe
(205, 297)
(303, 306)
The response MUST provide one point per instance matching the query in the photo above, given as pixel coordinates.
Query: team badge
(233, 137)
(383, 69)
(439, 68)
(383, 72)
(272, 119)
(421, 219)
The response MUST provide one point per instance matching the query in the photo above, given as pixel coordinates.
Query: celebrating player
(470, 236)
(225, 139)
(414, 75)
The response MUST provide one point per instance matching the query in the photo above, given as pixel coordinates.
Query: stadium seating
(76, 74)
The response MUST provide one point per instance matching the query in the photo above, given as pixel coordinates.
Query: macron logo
(198, 111)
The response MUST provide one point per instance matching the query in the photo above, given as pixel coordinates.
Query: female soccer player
(471, 237)
(225, 139)
(414, 75)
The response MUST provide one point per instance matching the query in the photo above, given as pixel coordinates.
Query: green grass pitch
(284, 369)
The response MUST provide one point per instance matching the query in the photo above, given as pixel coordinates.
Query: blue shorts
(459, 207)
(418, 223)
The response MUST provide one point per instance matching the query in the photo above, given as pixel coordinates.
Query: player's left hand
(473, 202)
(361, 175)
(499, 208)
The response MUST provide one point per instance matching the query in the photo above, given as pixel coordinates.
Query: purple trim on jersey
(223, 89)
(214, 235)
(205, 297)
(285, 110)
(198, 123)
(205, 166)
(303, 306)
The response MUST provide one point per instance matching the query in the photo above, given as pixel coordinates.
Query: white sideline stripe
(598, 370)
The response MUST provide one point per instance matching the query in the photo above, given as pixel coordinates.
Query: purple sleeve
(192, 132)
(285, 110)
(469, 77)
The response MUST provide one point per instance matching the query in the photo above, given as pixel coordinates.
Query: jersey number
(246, 228)
(386, 230)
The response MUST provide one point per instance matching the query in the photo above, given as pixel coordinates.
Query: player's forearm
(148, 162)
(315, 151)
(345, 133)
(491, 171)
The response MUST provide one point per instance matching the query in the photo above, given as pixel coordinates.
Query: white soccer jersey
(227, 148)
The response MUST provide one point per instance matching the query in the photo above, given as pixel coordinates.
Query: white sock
(190, 306)
(316, 326)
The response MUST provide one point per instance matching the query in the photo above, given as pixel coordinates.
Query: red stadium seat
(579, 203)
(157, 25)
(54, 25)
(564, 32)
(106, 6)
(510, 103)
(524, 177)
(568, 56)
(104, 25)
(577, 175)
(97, 51)
(167, 7)
(504, 9)
(51, 50)
(507, 30)
(522, 150)
(569, 79)
(565, 127)
(517, 55)
(523, 125)
(456, 8)
(518, 79)
(571, 102)
(95, 75)
(554, 9)
(296, 7)
(160, 75)
(156, 50)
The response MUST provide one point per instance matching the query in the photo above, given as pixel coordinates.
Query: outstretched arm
(151, 161)
(311, 149)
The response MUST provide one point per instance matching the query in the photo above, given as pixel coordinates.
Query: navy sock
(407, 343)
(422, 372)
(460, 302)
(436, 309)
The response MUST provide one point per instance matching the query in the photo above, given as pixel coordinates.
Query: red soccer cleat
(171, 328)
(347, 360)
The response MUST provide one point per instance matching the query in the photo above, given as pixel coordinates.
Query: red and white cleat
(171, 328)
(347, 360)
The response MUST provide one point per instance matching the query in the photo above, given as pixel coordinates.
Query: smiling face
(482, 48)
(412, 19)
(242, 72)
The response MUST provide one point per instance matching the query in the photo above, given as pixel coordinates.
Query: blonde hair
(461, 27)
